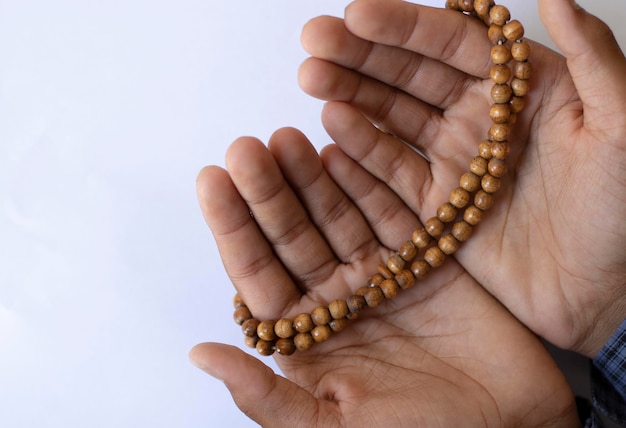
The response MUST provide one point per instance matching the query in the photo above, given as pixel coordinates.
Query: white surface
(108, 274)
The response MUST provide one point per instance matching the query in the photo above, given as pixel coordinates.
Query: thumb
(267, 398)
(594, 58)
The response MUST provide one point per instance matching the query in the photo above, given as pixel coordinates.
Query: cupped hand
(553, 248)
(443, 353)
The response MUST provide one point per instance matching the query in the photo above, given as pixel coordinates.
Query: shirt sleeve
(608, 377)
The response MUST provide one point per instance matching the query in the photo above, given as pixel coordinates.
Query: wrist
(602, 327)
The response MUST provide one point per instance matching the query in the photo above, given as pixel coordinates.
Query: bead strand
(455, 219)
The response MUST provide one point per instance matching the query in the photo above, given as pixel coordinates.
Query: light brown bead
(520, 87)
(490, 184)
(285, 346)
(470, 181)
(500, 74)
(520, 51)
(420, 268)
(251, 341)
(362, 290)
(384, 271)
(462, 230)
(434, 227)
(390, 288)
(374, 296)
(248, 328)
(395, 263)
(320, 315)
(499, 14)
(472, 215)
(448, 244)
(242, 313)
(407, 251)
(303, 323)
(452, 4)
(500, 113)
(238, 301)
(478, 166)
(482, 7)
(405, 279)
(500, 149)
(459, 198)
(303, 341)
(338, 324)
(434, 256)
(497, 167)
(501, 93)
(513, 30)
(484, 149)
(500, 54)
(356, 303)
(495, 34)
(265, 330)
(483, 200)
(522, 70)
(466, 5)
(517, 104)
(446, 212)
(499, 132)
(421, 238)
(321, 333)
(375, 279)
(265, 348)
(338, 309)
(284, 328)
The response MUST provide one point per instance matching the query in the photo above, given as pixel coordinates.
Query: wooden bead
(374, 296)
(238, 301)
(478, 166)
(470, 181)
(251, 341)
(303, 323)
(362, 290)
(249, 327)
(472, 215)
(499, 132)
(513, 30)
(500, 150)
(483, 200)
(321, 333)
(265, 331)
(407, 251)
(495, 34)
(420, 269)
(284, 328)
(489, 183)
(434, 227)
(446, 213)
(462, 231)
(499, 14)
(517, 104)
(500, 74)
(265, 348)
(501, 93)
(338, 309)
(434, 256)
(395, 263)
(522, 70)
(466, 5)
(500, 113)
(356, 303)
(459, 198)
(320, 315)
(484, 149)
(497, 167)
(448, 244)
(303, 341)
(520, 51)
(384, 271)
(405, 279)
(242, 313)
(482, 7)
(285, 346)
(452, 4)
(500, 54)
(421, 238)
(338, 324)
(390, 288)
(520, 87)
(375, 279)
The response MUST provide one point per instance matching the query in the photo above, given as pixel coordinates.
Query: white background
(108, 274)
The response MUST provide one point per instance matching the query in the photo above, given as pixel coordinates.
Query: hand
(444, 353)
(553, 248)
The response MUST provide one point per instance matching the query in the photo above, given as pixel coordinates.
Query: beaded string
(442, 234)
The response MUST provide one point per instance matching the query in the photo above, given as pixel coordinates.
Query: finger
(431, 81)
(594, 59)
(334, 214)
(247, 256)
(267, 398)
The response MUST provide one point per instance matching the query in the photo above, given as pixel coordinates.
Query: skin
(446, 352)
